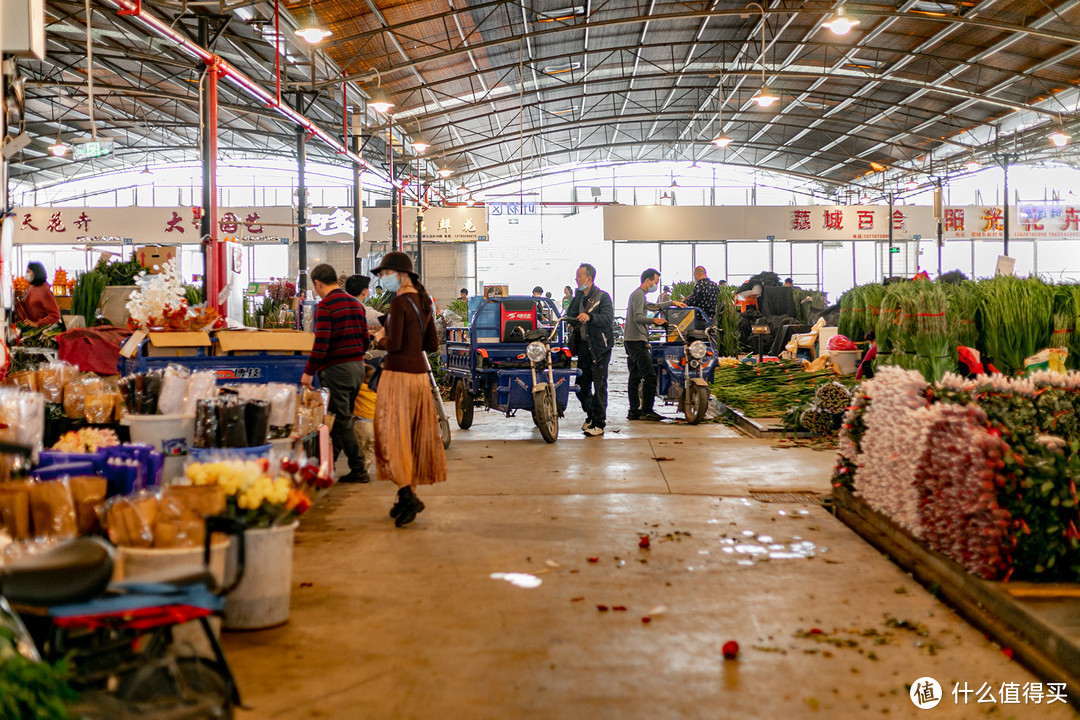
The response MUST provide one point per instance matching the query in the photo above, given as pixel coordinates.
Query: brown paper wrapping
(88, 492)
(180, 521)
(52, 509)
(15, 509)
(130, 521)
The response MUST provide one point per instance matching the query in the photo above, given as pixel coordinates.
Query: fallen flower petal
(644, 542)
(730, 650)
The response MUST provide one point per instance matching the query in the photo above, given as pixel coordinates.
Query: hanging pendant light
(721, 140)
(58, 149)
(310, 29)
(972, 164)
(380, 102)
(1060, 137)
(764, 97)
(445, 172)
(419, 144)
(470, 201)
(841, 24)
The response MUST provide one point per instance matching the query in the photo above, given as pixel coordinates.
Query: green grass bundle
(86, 297)
(1016, 318)
(931, 336)
(843, 325)
(727, 320)
(963, 309)
(873, 295)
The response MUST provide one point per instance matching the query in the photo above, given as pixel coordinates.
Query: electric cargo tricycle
(685, 361)
(511, 357)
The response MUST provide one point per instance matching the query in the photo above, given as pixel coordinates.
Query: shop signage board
(265, 225)
(651, 223)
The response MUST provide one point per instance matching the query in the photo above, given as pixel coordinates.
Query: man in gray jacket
(642, 387)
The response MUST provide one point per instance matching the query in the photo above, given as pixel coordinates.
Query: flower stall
(971, 484)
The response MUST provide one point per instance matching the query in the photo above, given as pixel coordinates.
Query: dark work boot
(408, 506)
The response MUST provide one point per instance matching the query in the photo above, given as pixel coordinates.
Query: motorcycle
(686, 368)
(545, 410)
(118, 638)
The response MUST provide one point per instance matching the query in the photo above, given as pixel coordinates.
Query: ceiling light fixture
(764, 98)
(1060, 137)
(972, 164)
(470, 201)
(563, 68)
(419, 144)
(721, 140)
(146, 170)
(380, 102)
(674, 185)
(568, 13)
(58, 149)
(310, 30)
(911, 185)
(841, 24)
(445, 172)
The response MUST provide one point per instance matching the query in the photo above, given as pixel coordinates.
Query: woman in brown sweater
(408, 445)
(38, 306)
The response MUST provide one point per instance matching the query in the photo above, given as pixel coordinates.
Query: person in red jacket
(38, 306)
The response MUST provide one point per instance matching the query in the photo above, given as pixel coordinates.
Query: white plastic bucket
(171, 434)
(846, 360)
(261, 600)
(156, 563)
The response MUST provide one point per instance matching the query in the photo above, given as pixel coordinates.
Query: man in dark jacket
(592, 342)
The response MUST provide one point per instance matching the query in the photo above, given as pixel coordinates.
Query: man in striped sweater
(341, 339)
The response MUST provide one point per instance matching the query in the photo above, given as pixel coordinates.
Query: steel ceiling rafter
(1065, 38)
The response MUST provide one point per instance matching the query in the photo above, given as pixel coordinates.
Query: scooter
(118, 638)
(685, 372)
(545, 410)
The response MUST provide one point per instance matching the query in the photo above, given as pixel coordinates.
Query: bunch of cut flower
(727, 320)
(963, 307)
(260, 492)
(1015, 319)
(161, 303)
(986, 473)
(931, 335)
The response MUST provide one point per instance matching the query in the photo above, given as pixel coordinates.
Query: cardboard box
(153, 257)
(272, 342)
(176, 344)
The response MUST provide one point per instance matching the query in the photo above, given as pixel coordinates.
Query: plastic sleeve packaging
(15, 508)
(232, 424)
(31, 421)
(74, 401)
(151, 393)
(200, 386)
(206, 424)
(54, 377)
(257, 419)
(52, 508)
(174, 385)
(98, 407)
(282, 404)
(130, 519)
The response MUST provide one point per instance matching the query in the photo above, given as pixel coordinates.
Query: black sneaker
(355, 477)
(651, 416)
(633, 415)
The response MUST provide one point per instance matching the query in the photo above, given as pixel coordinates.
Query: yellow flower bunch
(275, 492)
(234, 476)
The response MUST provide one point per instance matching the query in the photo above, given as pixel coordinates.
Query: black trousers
(593, 384)
(343, 381)
(642, 387)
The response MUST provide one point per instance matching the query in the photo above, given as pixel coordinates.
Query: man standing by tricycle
(642, 387)
(592, 341)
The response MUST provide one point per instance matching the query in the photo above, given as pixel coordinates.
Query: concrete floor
(411, 623)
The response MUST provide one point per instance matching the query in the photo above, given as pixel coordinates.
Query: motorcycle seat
(75, 571)
(697, 335)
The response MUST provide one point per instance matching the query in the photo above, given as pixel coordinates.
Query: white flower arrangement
(158, 297)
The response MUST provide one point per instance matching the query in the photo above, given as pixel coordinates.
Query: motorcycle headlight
(697, 350)
(536, 351)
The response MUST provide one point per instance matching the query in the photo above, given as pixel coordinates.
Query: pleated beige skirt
(408, 445)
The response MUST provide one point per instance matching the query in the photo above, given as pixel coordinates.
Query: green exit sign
(894, 249)
(93, 149)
